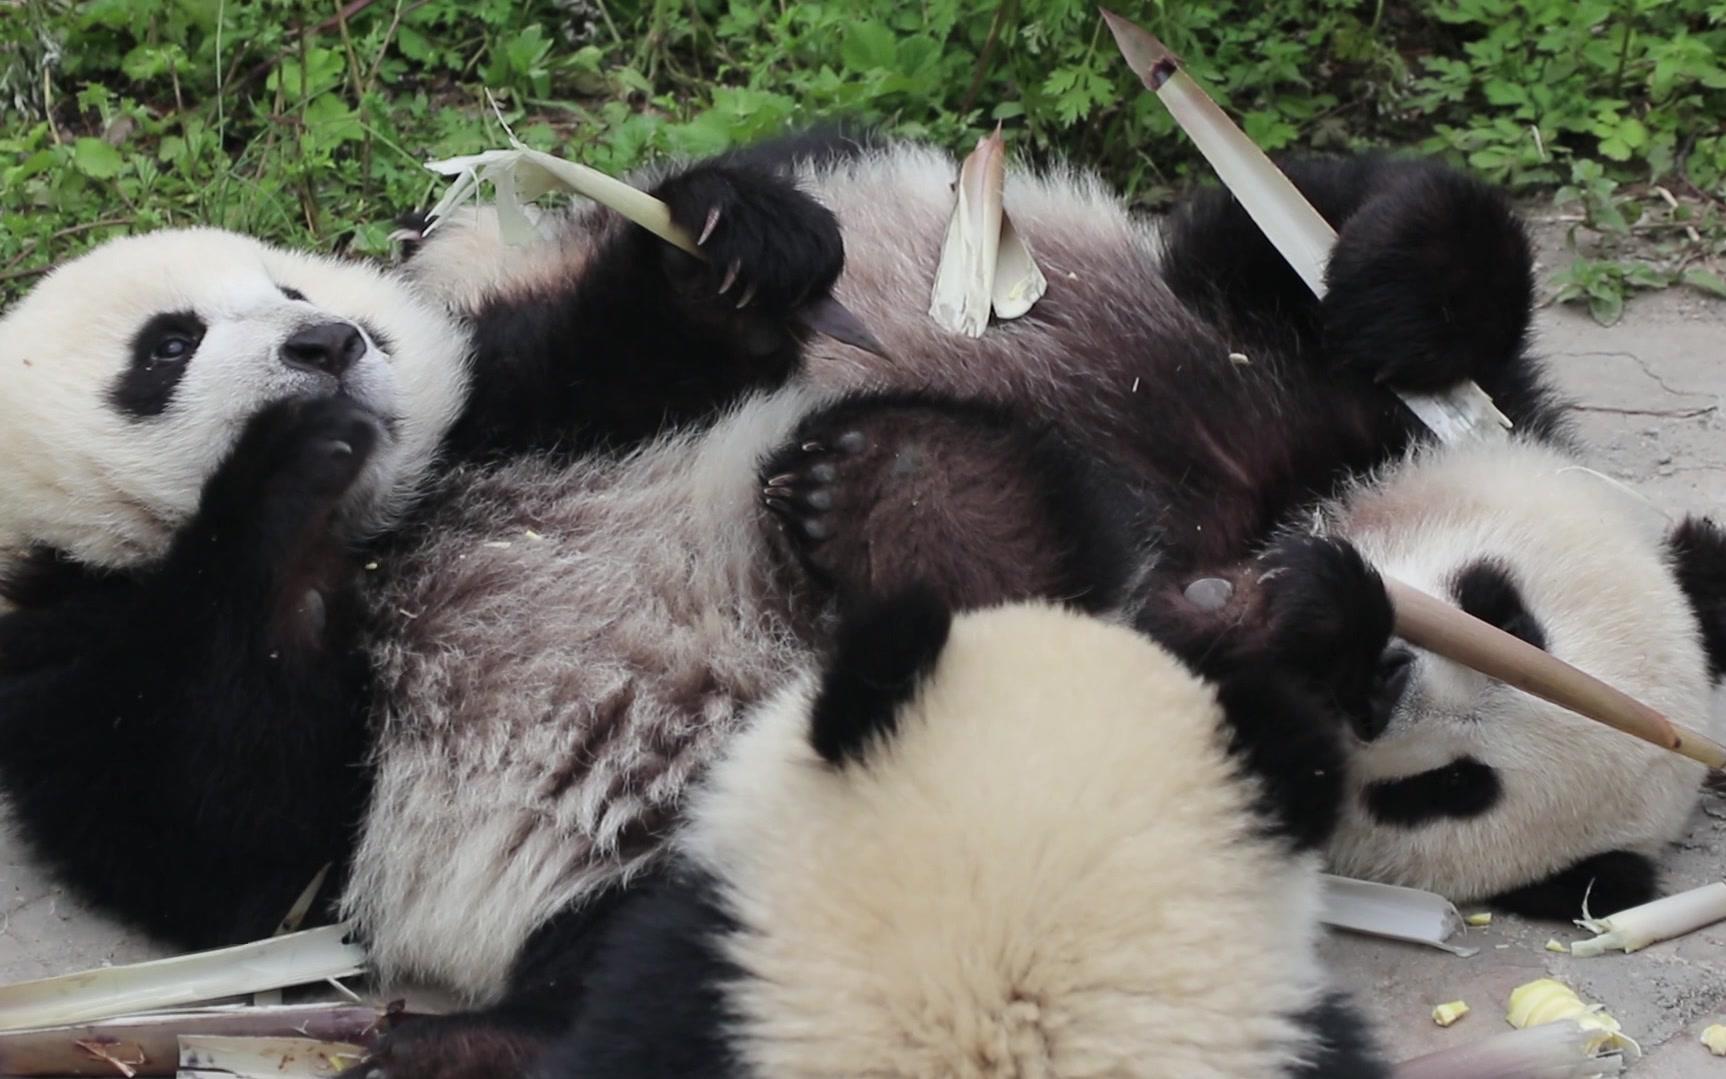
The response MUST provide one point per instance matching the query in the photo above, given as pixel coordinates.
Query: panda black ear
(884, 649)
(1698, 548)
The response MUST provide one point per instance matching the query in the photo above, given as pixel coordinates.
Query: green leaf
(868, 46)
(1706, 280)
(96, 159)
(1606, 308)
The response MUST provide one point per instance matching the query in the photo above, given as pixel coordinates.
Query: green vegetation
(306, 121)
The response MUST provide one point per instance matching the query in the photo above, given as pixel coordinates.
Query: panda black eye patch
(1484, 589)
(1462, 789)
(161, 351)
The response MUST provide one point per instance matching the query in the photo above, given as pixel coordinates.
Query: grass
(307, 122)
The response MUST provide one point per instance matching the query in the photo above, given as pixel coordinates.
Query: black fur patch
(1485, 590)
(112, 686)
(1431, 283)
(1462, 789)
(882, 653)
(291, 293)
(161, 351)
(644, 340)
(656, 1004)
(1344, 1044)
(1698, 548)
(1613, 881)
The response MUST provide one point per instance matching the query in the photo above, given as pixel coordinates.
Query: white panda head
(1015, 846)
(1478, 790)
(127, 374)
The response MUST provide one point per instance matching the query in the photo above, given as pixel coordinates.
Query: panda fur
(604, 519)
(1020, 842)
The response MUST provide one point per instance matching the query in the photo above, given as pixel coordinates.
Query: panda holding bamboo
(458, 576)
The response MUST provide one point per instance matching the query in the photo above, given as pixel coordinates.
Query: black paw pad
(804, 486)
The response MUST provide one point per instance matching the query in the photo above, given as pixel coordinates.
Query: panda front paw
(1431, 284)
(292, 466)
(766, 245)
(1328, 618)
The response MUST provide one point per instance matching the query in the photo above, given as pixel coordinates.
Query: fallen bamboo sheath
(149, 1044)
(293, 959)
(985, 268)
(1439, 628)
(1288, 220)
(1559, 1050)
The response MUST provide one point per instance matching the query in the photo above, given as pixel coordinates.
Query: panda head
(1010, 843)
(1470, 787)
(127, 374)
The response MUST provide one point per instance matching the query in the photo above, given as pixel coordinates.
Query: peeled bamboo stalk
(1439, 628)
(1663, 919)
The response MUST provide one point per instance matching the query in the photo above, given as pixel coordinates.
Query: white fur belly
(563, 656)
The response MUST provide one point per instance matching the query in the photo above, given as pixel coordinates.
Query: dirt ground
(1650, 393)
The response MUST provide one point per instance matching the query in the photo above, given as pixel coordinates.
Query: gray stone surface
(1650, 391)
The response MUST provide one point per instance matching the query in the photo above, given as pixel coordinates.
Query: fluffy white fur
(1050, 868)
(1595, 576)
(79, 475)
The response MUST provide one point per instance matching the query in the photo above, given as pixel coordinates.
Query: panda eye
(173, 347)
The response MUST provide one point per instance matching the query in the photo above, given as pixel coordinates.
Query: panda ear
(1698, 548)
(884, 649)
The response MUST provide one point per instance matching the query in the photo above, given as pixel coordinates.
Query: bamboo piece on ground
(148, 1043)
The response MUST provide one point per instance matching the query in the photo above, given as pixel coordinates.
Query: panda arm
(183, 745)
(1294, 652)
(639, 336)
(1431, 282)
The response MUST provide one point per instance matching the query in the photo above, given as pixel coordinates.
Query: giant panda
(456, 576)
(1022, 841)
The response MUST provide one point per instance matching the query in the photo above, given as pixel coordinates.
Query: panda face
(1474, 788)
(128, 374)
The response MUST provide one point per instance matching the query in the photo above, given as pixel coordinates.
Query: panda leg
(183, 746)
(1293, 642)
(878, 493)
(1431, 282)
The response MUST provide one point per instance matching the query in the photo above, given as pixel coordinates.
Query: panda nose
(1390, 682)
(329, 347)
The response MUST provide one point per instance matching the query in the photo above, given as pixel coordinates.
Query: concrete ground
(1651, 392)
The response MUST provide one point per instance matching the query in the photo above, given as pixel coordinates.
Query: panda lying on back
(457, 577)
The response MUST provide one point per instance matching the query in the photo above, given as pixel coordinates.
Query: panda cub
(457, 577)
(1018, 842)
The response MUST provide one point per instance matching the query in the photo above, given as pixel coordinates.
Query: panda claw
(748, 295)
(707, 229)
(812, 447)
(777, 491)
(784, 479)
(730, 277)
